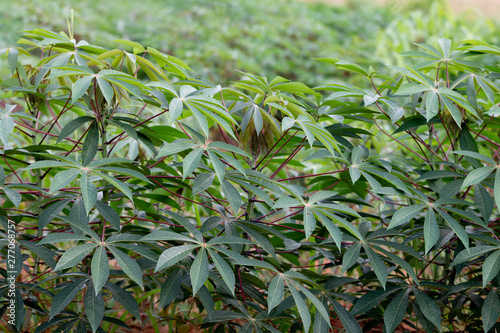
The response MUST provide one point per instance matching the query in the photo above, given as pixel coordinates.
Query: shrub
(265, 206)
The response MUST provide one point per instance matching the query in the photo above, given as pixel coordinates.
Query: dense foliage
(264, 206)
(268, 37)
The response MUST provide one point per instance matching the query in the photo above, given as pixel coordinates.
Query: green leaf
(202, 182)
(90, 144)
(472, 253)
(74, 255)
(349, 323)
(175, 109)
(475, 155)
(131, 131)
(100, 268)
(396, 310)
(477, 175)
(302, 307)
(228, 147)
(309, 222)
(173, 255)
(66, 296)
(124, 298)
(431, 105)
(199, 270)
(429, 308)
(483, 201)
(457, 228)
(350, 257)
(377, 264)
(94, 307)
(275, 292)
(106, 90)
(431, 230)
(62, 237)
(405, 214)
(51, 212)
(164, 235)
(410, 88)
(370, 299)
(2, 176)
(80, 87)
(73, 126)
(128, 265)
(491, 267)
(89, 192)
(118, 184)
(108, 213)
(62, 179)
(490, 310)
(496, 188)
(220, 168)
(191, 162)
(171, 287)
(12, 57)
(224, 269)
(232, 195)
(13, 196)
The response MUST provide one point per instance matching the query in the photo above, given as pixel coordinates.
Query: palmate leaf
(224, 269)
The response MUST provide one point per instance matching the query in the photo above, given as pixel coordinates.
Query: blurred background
(266, 37)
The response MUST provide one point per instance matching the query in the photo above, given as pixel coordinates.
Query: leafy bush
(271, 38)
(265, 206)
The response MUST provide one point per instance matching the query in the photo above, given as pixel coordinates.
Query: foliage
(271, 38)
(265, 206)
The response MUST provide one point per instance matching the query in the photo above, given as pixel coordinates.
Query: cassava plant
(144, 197)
